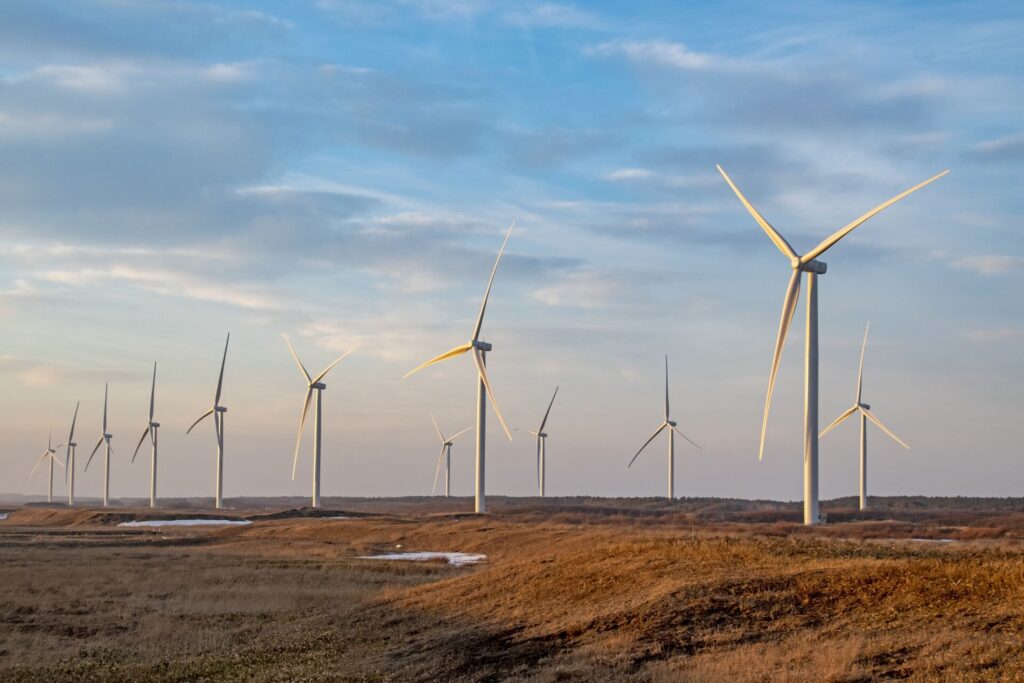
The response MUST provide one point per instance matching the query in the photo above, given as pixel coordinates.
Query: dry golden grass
(571, 591)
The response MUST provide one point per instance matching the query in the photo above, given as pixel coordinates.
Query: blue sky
(343, 171)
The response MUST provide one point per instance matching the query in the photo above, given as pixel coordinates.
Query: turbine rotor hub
(813, 266)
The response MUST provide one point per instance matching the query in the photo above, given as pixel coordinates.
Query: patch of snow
(339, 517)
(187, 522)
(456, 559)
(934, 540)
(3, 516)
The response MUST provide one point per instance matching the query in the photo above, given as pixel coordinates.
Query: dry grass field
(571, 590)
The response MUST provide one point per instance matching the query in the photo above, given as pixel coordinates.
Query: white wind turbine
(670, 425)
(865, 414)
(69, 460)
(218, 426)
(313, 384)
(150, 431)
(541, 442)
(445, 457)
(104, 437)
(49, 453)
(808, 264)
(479, 349)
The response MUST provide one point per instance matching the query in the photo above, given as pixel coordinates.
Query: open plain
(571, 589)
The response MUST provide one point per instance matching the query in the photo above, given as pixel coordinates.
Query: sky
(344, 171)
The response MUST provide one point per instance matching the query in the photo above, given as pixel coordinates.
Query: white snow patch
(187, 522)
(934, 540)
(3, 516)
(339, 517)
(456, 559)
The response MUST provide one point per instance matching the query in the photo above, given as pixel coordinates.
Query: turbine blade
(201, 418)
(646, 443)
(482, 370)
(57, 460)
(436, 428)
(49, 441)
(487, 292)
(220, 378)
(788, 309)
(38, 463)
(838, 421)
(302, 368)
(688, 438)
(860, 372)
(302, 423)
(152, 393)
(666, 387)
(143, 438)
(848, 228)
(457, 351)
(71, 434)
(778, 240)
(336, 361)
(461, 433)
(878, 423)
(105, 387)
(437, 470)
(548, 411)
(98, 444)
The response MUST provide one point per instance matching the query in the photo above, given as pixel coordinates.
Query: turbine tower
(541, 442)
(865, 414)
(69, 470)
(446, 458)
(808, 264)
(479, 349)
(670, 425)
(150, 431)
(104, 437)
(313, 384)
(218, 427)
(49, 453)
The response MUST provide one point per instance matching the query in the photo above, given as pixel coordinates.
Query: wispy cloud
(989, 264)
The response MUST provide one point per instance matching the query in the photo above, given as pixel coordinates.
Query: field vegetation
(572, 590)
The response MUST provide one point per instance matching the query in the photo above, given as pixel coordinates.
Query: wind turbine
(672, 431)
(69, 470)
(808, 264)
(150, 431)
(313, 384)
(479, 349)
(445, 457)
(218, 427)
(105, 436)
(49, 453)
(865, 414)
(541, 441)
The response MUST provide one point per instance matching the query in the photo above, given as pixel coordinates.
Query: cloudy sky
(343, 171)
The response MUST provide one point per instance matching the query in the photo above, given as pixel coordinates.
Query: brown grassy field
(572, 590)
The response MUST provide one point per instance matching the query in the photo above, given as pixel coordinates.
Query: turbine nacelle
(813, 266)
(221, 409)
(865, 406)
(318, 385)
(670, 423)
(154, 424)
(481, 345)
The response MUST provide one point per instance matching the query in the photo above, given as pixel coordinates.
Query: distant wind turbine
(541, 442)
(104, 437)
(479, 349)
(670, 425)
(218, 427)
(865, 414)
(69, 460)
(48, 454)
(313, 384)
(808, 264)
(445, 457)
(150, 431)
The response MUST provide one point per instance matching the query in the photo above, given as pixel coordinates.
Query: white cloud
(553, 15)
(986, 336)
(629, 174)
(662, 53)
(989, 264)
